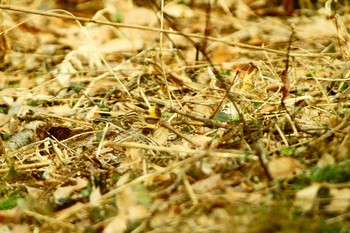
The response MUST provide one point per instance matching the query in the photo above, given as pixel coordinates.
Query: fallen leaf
(221, 53)
(284, 167)
(160, 135)
(306, 198)
(118, 224)
(340, 201)
(61, 193)
(178, 10)
(208, 184)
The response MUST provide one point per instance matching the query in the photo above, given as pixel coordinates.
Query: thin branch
(27, 166)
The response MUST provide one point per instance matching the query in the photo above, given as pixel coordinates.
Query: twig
(282, 135)
(190, 190)
(168, 126)
(50, 220)
(261, 153)
(27, 166)
(66, 119)
(215, 153)
(342, 124)
(227, 92)
(206, 121)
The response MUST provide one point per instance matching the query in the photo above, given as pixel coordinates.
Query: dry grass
(198, 119)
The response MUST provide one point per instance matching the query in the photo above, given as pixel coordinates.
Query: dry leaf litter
(120, 129)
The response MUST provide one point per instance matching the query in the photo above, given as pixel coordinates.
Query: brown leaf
(65, 192)
(284, 167)
(160, 135)
(207, 184)
(221, 53)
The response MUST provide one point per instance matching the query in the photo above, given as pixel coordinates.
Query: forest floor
(116, 116)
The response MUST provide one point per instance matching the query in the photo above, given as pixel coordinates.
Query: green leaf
(222, 117)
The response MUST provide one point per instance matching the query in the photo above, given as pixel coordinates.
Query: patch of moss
(337, 173)
(281, 218)
(9, 201)
(287, 151)
(324, 227)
